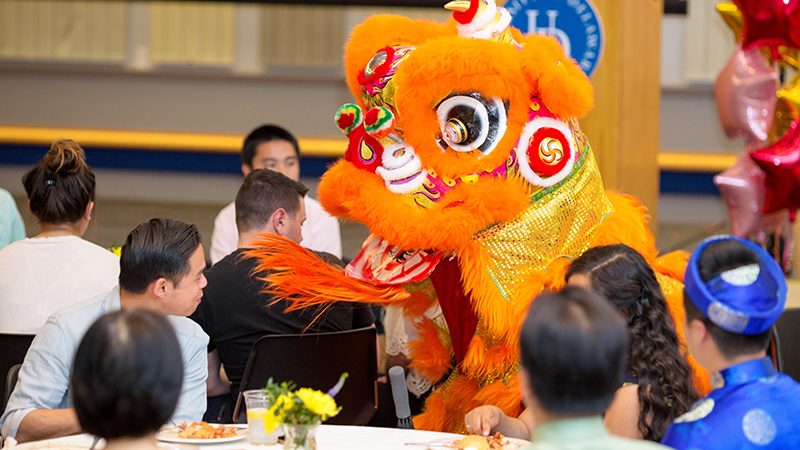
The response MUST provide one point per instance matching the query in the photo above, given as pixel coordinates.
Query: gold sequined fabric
(557, 223)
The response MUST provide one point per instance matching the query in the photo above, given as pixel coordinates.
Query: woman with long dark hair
(658, 386)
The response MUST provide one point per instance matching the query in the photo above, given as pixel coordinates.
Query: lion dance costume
(466, 162)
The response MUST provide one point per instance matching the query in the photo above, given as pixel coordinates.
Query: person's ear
(159, 287)
(89, 210)
(698, 330)
(246, 169)
(280, 221)
(705, 335)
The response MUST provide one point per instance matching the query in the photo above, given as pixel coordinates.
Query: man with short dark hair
(734, 292)
(272, 147)
(573, 348)
(161, 269)
(235, 312)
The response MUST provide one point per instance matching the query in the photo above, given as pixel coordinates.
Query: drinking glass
(257, 404)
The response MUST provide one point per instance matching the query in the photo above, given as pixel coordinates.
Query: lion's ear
(556, 78)
(385, 30)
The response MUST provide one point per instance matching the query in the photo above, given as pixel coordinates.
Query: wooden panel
(75, 31)
(624, 125)
(303, 36)
(709, 42)
(192, 33)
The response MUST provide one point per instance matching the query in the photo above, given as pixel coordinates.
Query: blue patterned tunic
(752, 406)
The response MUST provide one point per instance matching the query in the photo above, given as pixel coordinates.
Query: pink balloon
(742, 188)
(746, 95)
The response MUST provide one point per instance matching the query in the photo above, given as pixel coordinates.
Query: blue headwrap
(746, 300)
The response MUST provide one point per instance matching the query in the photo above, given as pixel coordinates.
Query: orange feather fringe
(291, 271)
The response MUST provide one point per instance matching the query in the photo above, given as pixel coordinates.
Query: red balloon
(781, 165)
(770, 23)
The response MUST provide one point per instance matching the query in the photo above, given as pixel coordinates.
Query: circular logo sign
(575, 23)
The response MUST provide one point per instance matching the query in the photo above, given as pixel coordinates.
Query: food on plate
(204, 430)
(476, 442)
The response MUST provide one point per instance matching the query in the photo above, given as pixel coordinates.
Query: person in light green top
(573, 348)
(11, 226)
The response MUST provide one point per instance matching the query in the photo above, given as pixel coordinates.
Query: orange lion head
(457, 126)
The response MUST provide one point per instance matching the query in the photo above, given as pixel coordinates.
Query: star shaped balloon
(780, 162)
(787, 109)
(770, 23)
(733, 18)
(742, 187)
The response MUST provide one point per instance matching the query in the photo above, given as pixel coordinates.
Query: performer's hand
(483, 419)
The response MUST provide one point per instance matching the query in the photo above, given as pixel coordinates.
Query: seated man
(235, 313)
(272, 147)
(733, 294)
(573, 347)
(161, 269)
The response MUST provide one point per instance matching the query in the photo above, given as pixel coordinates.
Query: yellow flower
(318, 403)
(284, 402)
(115, 249)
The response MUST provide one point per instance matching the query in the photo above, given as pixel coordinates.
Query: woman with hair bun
(658, 383)
(57, 267)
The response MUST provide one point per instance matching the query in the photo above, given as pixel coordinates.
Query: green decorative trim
(550, 189)
(497, 283)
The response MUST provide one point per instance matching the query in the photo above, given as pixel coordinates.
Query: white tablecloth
(329, 437)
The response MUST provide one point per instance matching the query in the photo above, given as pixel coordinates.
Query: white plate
(449, 443)
(171, 435)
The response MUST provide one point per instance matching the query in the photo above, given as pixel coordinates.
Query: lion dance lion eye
(546, 151)
(470, 122)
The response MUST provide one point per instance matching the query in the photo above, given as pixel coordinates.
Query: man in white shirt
(272, 147)
(161, 270)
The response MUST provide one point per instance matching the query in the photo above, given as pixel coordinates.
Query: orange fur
(384, 30)
(672, 264)
(435, 412)
(504, 394)
(418, 303)
(429, 354)
(556, 78)
(459, 394)
(290, 271)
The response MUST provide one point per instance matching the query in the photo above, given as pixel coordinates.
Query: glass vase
(300, 437)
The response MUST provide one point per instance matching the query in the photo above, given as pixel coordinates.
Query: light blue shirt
(11, 226)
(44, 378)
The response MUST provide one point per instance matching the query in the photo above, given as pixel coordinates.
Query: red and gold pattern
(485, 190)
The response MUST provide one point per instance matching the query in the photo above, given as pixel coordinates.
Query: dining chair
(13, 348)
(788, 330)
(10, 382)
(316, 360)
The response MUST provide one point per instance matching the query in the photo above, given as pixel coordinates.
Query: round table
(329, 437)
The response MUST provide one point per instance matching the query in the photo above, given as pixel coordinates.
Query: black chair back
(11, 381)
(316, 361)
(13, 348)
(788, 328)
